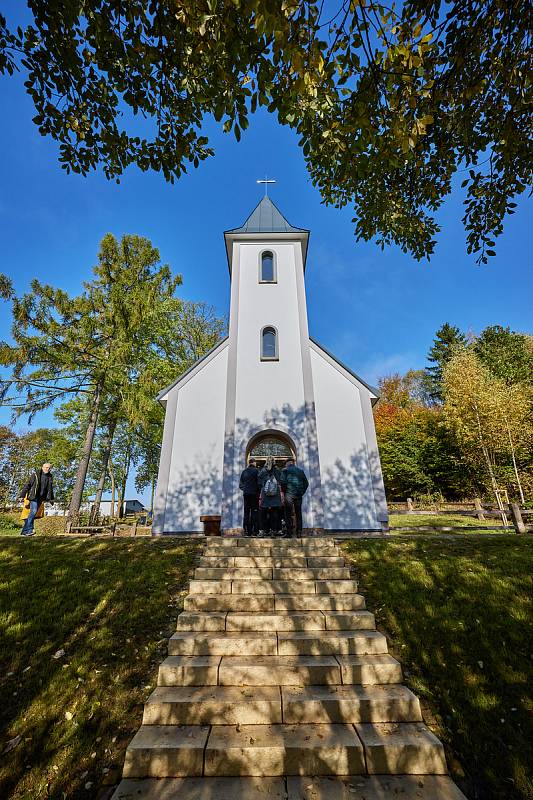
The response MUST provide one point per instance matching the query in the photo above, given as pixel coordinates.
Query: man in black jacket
(39, 489)
(249, 486)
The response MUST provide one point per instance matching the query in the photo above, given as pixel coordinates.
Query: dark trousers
(293, 515)
(251, 508)
(271, 519)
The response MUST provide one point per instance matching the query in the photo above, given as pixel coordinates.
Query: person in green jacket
(294, 484)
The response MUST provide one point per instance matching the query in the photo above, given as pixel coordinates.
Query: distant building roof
(267, 218)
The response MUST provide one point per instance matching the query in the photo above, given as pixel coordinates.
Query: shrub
(9, 521)
(50, 526)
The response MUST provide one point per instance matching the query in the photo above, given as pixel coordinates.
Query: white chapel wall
(195, 478)
(269, 394)
(347, 484)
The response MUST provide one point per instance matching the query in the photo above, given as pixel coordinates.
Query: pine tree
(447, 342)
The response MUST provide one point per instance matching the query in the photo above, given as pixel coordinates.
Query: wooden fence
(510, 514)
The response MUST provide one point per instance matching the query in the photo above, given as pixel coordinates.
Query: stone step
(227, 643)
(259, 587)
(201, 621)
(283, 750)
(215, 705)
(233, 573)
(270, 541)
(349, 620)
(319, 602)
(312, 749)
(350, 787)
(189, 671)
(273, 602)
(229, 602)
(291, 643)
(266, 573)
(281, 621)
(267, 562)
(300, 621)
(163, 751)
(306, 643)
(202, 789)
(278, 670)
(402, 748)
(368, 669)
(353, 787)
(311, 573)
(311, 704)
(275, 552)
(263, 547)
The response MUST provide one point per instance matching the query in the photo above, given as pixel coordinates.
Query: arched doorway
(272, 444)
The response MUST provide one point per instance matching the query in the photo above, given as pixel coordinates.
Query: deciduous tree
(491, 420)
(91, 344)
(389, 102)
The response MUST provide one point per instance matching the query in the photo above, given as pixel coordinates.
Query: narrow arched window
(267, 268)
(269, 344)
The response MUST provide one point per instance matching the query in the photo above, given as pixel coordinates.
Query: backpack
(271, 486)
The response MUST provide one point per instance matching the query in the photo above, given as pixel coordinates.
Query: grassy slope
(460, 615)
(109, 605)
(451, 520)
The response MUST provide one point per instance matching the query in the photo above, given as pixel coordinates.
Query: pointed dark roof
(266, 218)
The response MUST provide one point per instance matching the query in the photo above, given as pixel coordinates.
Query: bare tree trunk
(108, 442)
(152, 495)
(124, 481)
(490, 469)
(522, 498)
(112, 476)
(79, 483)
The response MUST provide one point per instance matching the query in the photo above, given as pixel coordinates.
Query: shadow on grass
(460, 615)
(109, 605)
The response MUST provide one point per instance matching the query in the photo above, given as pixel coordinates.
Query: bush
(9, 521)
(50, 526)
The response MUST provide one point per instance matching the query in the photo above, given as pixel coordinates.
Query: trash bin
(211, 525)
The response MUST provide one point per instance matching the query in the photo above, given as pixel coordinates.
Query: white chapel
(268, 389)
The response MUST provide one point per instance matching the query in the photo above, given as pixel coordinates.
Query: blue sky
(377, 311)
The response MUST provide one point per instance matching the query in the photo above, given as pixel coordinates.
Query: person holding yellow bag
(37, 491)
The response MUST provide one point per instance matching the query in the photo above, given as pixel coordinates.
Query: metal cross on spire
(266, 181)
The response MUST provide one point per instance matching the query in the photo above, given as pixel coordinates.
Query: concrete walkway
(277, 685)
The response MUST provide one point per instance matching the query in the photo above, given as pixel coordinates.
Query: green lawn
(110, 606)
(459, 612)
(447, 520)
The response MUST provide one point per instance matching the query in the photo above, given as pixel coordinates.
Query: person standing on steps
(37, 491)
(249, 486)
(270, 498)
(294, 484)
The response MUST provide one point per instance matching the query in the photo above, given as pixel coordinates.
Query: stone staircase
(278, 686)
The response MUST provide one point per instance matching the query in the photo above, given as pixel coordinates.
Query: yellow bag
(25, 513)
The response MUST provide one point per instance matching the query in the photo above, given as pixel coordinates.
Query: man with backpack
(270, 498)
(249, 486)
(294, 484)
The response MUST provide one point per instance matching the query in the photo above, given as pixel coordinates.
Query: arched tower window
(267, 267)
(269, 344)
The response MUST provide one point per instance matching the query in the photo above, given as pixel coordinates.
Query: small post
(518, 522)
(409, 505)
(479, 508)
(135, 526)
(113, 529)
